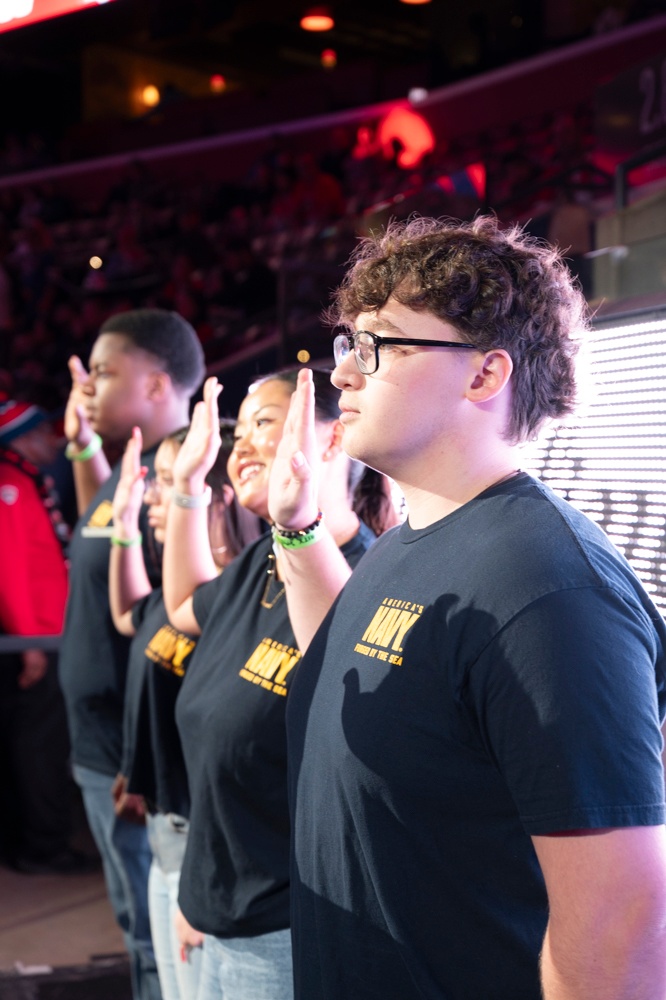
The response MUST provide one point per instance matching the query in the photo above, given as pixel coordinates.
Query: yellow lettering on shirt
(270, 664)
(387, 630)
(169, 648)
(102, 515)
(389, 626)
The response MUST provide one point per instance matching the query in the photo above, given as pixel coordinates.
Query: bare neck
(165, 420)
(445, 487)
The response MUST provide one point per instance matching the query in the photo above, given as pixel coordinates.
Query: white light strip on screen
(610, 461)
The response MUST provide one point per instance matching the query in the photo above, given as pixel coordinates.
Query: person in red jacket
(36, 787)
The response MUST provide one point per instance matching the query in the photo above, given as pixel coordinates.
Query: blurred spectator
(128, 259)
(37, 788)
(32, 258)
(249, 286)
(7, 302)
(318, 196)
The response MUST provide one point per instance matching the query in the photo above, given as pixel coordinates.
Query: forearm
(128, 583)
(313, 578)
(187, 559)
(88, 477)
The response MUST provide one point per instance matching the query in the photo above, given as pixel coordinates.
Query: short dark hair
(498, 288)
(168, 337)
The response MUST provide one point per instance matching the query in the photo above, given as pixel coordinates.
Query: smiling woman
(231, 709)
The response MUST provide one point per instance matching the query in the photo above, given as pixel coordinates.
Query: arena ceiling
(257, 43)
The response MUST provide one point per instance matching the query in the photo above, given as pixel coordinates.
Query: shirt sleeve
(566, 702)
(205, 596)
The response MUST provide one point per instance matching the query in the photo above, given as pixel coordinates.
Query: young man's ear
(159, 384)
(491, 377)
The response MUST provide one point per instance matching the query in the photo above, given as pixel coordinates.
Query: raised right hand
(199, 450)
(292, 489)
(76, 426)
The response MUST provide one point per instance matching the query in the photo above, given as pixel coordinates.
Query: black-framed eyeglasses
(366, 347)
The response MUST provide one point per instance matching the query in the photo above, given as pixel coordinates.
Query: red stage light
(317, 19)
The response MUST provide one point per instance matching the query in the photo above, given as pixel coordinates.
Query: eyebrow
(376, 324)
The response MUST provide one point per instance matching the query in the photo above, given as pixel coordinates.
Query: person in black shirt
(144, 367)
(474, 746)
(153, 765)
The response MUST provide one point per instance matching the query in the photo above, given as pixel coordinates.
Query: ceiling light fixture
(415, 2)
(317, 19)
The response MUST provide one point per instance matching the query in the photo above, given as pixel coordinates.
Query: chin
(254, 501)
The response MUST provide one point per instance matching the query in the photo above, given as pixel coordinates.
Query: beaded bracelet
(299, 538)
(125, 543)
(192, 502)
(84, 454)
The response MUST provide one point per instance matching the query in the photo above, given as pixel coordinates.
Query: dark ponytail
(373, 503)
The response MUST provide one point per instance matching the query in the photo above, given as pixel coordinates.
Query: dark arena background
(222, 158)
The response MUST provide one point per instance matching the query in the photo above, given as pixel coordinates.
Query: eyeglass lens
(364, 350)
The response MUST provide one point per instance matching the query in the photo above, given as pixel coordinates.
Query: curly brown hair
(500, 288)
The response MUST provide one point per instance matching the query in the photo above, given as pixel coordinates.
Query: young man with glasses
(474, 732)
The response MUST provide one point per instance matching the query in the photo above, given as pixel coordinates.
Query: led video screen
(611, 463)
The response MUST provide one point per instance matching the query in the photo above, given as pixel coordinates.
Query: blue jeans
(256, 968)
(179, 979)
(126, 858)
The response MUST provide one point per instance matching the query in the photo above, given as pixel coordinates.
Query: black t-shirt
(152, 755)
(231, 718)
(497, 675)
(93, 655)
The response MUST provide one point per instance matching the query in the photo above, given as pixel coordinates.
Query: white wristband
(192, 502)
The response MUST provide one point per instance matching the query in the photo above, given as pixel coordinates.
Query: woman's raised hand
(128, 497)
(199, 449)
(292, 492)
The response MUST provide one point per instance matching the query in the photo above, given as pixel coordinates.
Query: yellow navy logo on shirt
(383, 638)
(102, 515)
(169, 648)
(270, 664)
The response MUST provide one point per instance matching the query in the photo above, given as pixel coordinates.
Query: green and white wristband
(126, 543)
(290, 538)
(84, 454)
